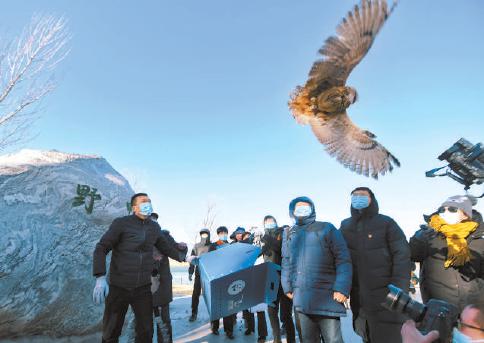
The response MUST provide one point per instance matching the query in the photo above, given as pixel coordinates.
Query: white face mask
(204, 235)
(459, 337)
(451, 218)
(302, 211)
(270, 225)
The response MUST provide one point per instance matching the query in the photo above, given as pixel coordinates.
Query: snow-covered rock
(46, 244)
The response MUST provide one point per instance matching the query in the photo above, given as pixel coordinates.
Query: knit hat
(204, 230)
(461, 202)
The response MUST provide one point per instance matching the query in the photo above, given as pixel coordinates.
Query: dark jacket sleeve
(272, 243)
(191, 268)
(342, 260)
(400, 252)
(104, 246)
(419, 244)
(167, 246)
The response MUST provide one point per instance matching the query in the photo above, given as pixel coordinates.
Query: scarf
(458, 252)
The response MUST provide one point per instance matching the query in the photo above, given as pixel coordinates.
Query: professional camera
(466, 163)
(435, 315)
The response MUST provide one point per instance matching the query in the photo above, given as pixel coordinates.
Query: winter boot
(193, 317)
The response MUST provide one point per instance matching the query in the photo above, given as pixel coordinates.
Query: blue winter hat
(239, 229)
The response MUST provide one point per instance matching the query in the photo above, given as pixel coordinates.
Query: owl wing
(355, 148)
(341, 53)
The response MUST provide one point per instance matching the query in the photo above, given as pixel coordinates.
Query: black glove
(424, 234)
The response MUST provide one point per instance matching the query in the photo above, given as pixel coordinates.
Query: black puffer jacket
(272, 240)
(380, 255)
(132, 239)
(458, 286)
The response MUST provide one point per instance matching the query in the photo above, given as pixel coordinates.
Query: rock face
(46, 244)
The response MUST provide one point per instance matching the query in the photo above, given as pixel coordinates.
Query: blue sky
(188, 99)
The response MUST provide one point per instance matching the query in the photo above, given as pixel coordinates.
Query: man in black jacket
(381, 256)
(229, 321)
(162, 290)
(131, 239)
(198, 250)
(272, 249)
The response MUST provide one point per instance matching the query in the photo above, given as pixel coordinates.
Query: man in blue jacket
(316, 273)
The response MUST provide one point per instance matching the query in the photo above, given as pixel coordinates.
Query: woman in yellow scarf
(450, 249)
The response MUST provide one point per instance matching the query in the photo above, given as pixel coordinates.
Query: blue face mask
(222, 237)
(302, 211)
(359, 202)
(145, 208)
(270, 225)
(459, 337)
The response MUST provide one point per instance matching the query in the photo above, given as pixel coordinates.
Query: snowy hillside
(47, 245)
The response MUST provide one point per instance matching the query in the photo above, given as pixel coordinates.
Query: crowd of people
(322, 269)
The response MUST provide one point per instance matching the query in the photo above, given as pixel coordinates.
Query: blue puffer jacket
(315, 263)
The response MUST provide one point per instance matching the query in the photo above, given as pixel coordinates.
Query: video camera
(434, 315)
(466, 163)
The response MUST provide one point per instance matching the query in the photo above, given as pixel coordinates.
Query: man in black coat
(131, 240)
(229, 321)
(198, 250)
(272, 250)
(458, 283)
(381, 256)
(162, 289)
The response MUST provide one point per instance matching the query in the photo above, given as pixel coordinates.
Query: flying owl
(323, 100)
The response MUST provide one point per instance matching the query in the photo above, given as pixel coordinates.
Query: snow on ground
(186, 332)
(199, 331)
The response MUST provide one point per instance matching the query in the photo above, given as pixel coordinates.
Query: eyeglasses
(460, 324)
(450, 209)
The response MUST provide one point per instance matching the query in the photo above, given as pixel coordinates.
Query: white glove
(101, 290)
(192, 260)
(155, 284)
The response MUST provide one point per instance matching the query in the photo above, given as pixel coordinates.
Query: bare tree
(210, 215)
(26, 74)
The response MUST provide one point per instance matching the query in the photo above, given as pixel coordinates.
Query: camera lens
(399, 301)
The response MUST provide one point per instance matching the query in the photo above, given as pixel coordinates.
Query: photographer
(470, 328)
(450, 249)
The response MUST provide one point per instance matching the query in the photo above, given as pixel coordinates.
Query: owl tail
(300, 105)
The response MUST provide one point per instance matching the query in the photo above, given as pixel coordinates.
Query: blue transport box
(231, 283)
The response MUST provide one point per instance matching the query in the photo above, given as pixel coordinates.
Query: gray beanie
(462, 202)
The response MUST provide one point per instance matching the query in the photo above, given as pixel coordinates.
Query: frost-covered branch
(26, 74)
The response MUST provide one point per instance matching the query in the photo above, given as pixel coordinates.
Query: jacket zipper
(141, 256)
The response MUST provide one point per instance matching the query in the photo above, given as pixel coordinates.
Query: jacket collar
(306, 220)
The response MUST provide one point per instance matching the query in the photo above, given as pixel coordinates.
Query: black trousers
(117, 302)
(283, 305)
(378, 327)
(229, 323)
(261, 322)
(163, 312)
(197, 290)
